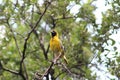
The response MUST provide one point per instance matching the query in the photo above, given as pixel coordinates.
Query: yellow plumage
(56, 46)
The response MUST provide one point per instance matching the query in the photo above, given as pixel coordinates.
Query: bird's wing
(62, 47)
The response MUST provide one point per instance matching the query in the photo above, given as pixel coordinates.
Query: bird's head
(54, 33)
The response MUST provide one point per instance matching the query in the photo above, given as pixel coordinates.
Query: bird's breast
(55, 45)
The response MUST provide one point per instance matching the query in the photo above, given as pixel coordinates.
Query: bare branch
(8, 70)
(35, 32)
(38, 76)
(64, 66)
(46, 7)
(11, 71)
(20, 53)
(27, 38)
(47, 71)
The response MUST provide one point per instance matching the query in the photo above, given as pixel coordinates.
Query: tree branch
(8, 70)
(26, 39)
(20, 53)
(64, 66)
(11, 71)
(65, 17)
(36, 34)
(48, 70)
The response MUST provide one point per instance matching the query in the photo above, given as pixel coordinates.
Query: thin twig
(48, 70)
(39, 38)
(8, 70)
(65, 17)
(20, 53)
(66, 68)
(46, 73)
(11, 71)
(28, 36)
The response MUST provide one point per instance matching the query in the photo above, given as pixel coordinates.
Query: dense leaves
(24, 49)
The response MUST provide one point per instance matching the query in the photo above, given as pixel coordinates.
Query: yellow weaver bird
(56, 47)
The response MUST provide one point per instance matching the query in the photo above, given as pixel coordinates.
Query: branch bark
(36, 34)
(8, 70)
(27, 38)
(47, 71)
(23, 52)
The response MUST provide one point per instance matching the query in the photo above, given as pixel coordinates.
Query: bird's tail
(65, 59)
(63, 55)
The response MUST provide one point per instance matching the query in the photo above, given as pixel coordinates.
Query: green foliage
(27, 34)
